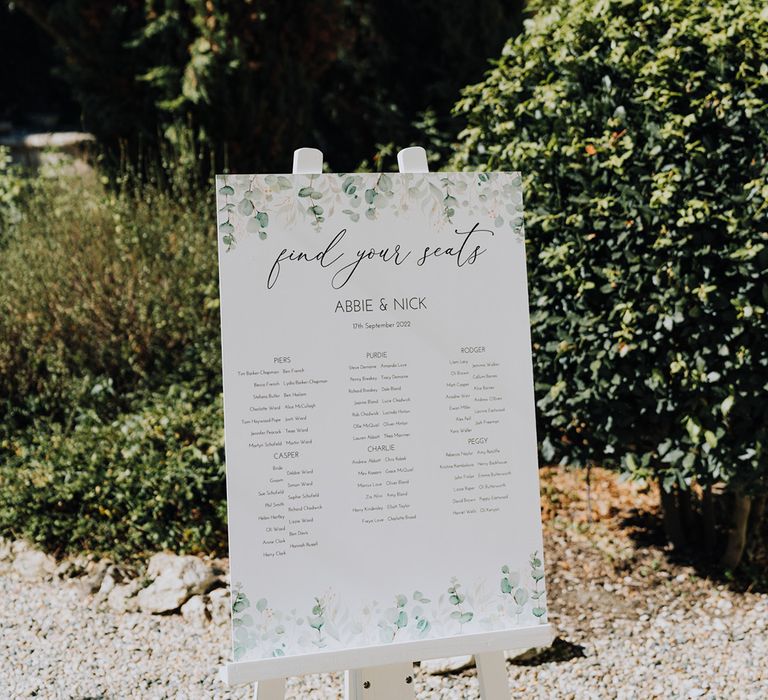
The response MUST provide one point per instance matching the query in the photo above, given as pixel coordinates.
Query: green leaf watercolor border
(259, 628)
(250, 204)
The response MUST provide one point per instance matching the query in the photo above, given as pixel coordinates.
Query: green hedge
(642, 131)
(115, 288)
(111, 435)
(150, 479)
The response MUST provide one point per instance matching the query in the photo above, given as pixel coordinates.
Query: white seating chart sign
(379, 414)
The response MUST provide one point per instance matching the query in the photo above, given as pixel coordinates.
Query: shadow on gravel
(646, 529)
(560, 650)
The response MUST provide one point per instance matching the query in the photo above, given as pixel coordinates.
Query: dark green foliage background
(255, 80)
(642, 130)
(110, 376)
(28, 83)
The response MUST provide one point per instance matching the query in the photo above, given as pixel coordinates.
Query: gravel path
(631, 624)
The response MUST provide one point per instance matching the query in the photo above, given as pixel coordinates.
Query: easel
(384, 674)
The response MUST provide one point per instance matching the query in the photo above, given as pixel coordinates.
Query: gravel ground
(631, 624)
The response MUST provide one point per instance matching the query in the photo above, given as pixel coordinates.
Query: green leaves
(646, 226)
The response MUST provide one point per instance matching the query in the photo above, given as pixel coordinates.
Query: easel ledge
(235, 673)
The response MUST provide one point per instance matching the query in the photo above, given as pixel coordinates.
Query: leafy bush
(151, 479)
(642, 130)
(110, 373)
(103, 287)
(11, 189)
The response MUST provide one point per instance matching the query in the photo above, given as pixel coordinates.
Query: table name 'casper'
(463, 254)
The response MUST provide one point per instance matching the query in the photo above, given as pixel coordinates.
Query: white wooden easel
(394, 679)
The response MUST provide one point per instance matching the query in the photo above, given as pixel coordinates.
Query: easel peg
(413, 160)
(307, 161)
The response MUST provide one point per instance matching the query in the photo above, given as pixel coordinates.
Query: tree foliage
(256, 80)
(642, 130)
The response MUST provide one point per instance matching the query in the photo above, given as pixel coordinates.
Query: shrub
(642, 130)
(153, 478)
(110, 374)
(11, 189)
(115, 288)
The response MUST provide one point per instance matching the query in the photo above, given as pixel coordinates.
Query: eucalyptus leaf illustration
(492, 198)
(317, 621)
(458, 599)
(245, 207)
(268, 632)
(537, 574)
(239, 602)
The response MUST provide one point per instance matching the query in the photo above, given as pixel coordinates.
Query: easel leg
(393, 682)
(492, 674)
(273, 689)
